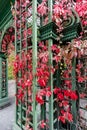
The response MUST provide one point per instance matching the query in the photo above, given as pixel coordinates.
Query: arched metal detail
(73, 20)
(4, 99)
(7, 26)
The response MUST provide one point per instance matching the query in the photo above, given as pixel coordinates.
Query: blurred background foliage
(11, 59)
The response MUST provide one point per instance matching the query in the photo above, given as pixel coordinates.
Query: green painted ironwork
(5, 12)
(5, 28)
(21, 108)
(34, 62)
(3, 80)
(46, 111)
(53, 119)
(4, 67)
(50, 109)
(48, 32)
(72, 27)
(74, 106)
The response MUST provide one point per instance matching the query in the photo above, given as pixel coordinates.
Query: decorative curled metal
(72, 27)
(73, 20)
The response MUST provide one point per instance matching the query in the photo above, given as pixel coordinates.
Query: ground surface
(7, 114)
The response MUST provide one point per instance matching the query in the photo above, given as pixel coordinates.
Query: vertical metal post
(50, 42)
(4, 100)
(6, 77)
(15, 56)
(21, 57)
(74, 109)
(34, 62)
(0, 78)
(51, 85)
(59, 85)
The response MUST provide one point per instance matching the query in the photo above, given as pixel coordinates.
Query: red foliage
(8, 40)
(42, 8)
(64, 94)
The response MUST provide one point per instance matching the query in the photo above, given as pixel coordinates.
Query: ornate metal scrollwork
(72, 27)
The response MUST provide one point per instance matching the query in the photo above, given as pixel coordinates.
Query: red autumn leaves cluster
(81, 8)
(43, 75)
(23, 63)
(42, 8)
(63, 98)
(80, 78)
(23, 74)
(8, 40)
(41, 94)
(63, 9)
(65, 94)
(44, 70)
(66, 116)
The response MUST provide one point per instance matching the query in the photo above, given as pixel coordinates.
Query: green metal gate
(38, 113)
(29, 31)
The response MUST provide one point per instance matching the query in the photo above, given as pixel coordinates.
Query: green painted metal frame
(73, 28)
(20, 111)
(20, 108)
(50, 103)
(51, 82)
(5, 12)
(74, 105)
(34, 62)
(4, 29)
(34, 123)
(4, 100)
